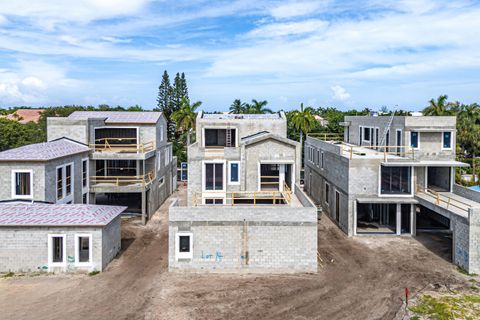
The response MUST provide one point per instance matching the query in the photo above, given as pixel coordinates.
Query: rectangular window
(395, 180)
(447, 140)
(214, 176)
(83, 248)
(68, 179)
(219, 138)
(327, 192)
(85, 198)
(234, 177)
(214, 201)
(161, 181)
(56, 249)
(59, 183)
(161, 133)
(399, 142)
(84, 173)
(22, 184)
(366, 134)
(167, 155)
(184, 245)
(414, 139)
(323, 160)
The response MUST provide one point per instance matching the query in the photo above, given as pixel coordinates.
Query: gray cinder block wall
(25, 249)
(246, 239)
(466, 241)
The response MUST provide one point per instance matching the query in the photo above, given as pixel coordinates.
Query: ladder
(228, 137)
(386, 130)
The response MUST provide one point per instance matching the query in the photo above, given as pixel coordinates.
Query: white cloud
(32, 82)
(3, 20)
(288, 29)
(115, 40)
(296, 9)
(340, 93)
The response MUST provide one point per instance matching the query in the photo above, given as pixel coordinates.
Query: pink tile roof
(42, 214)
(119, 116)
(44, 151)
(26, 115)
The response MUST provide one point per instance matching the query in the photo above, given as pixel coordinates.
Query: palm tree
(303, 121)
(258, 107)
(238, 106)
(440, 107)
(186, 116)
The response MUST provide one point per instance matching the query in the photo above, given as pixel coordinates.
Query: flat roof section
(119, 116)
(44, 151)
(43, 214)
(232, 116)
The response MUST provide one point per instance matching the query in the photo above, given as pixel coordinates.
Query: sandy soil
(360, 278)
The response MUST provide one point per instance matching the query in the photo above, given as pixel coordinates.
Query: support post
(355, 217)
(144, 208)
(399, 219)
(413, 219)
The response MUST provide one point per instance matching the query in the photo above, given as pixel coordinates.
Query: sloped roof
(267, 135)
(26, 115)
(43, 214)
(118, 116)
(44, 151)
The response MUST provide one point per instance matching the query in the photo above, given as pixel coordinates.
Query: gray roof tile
(44, 151)
(118, 116)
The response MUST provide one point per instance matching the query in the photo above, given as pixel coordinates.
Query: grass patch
(93, 273)
(8, 275)
(465, 272)
(448, 307)
(475, 288)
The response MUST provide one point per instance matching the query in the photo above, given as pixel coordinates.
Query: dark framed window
(57, 249)
(84, 173)
(184, 242)
(234, 174)
(59, 183)
(414, 139)
(68, 179)
(447, 140)
(214, 176)
(395, 180)
(366, 134)
(327, 192)
(23, 184)
(214, 201)
(83, 249)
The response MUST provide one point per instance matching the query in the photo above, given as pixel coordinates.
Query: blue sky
(347, 54)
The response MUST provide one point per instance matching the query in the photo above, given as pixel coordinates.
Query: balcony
(124, 148)
(121, 183)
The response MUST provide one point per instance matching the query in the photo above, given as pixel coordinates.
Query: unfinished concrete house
(131, 163)
(58, 237)
(245, 210)
(54, 172)
(395, 175)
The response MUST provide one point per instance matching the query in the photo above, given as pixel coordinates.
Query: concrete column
(399, 219)
(144, 207)
(413, 220)
(355, 218)
(281, 177)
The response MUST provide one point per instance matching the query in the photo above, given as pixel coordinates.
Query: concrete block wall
(25, 249)
(39, 187)
(111, 241)
(246, 239)
(74, 129)
(466, 192)
(474, 241)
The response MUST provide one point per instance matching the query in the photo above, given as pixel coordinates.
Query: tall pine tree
(165, 103)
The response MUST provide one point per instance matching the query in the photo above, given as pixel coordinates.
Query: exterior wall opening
(376, 218)
(131, 200)
(433, 231)
(115, 136)
(220, 138)
(395, 180)
(439, 179)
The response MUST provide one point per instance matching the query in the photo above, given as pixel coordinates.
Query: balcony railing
(400, 151)
(441, 199)
(236, 198)
(121, 145)
(123, 180)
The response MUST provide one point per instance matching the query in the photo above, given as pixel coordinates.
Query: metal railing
(441, 198)
(238, 198)
(327, 136)
(124, 180)
(116, 145)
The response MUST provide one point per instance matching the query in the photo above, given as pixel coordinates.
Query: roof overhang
(277, 161)
(426, 163)
(388, 200)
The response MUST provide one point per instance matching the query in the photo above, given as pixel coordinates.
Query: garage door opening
(379, 218)
(433, 231)
(133, 201)
(439, 179)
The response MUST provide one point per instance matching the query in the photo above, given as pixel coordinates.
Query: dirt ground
(359, 278)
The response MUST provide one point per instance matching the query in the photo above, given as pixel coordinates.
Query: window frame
(327, 194)
(230, 182)
(322, 156)
(77, 250)
(443, 140)
(418, 140)
(161, 181)
(65, 198)
(87, 187)
(50, 250)
(14, 185)
(183, 255)
(219, 128)
(394, 195)
(204, 180)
